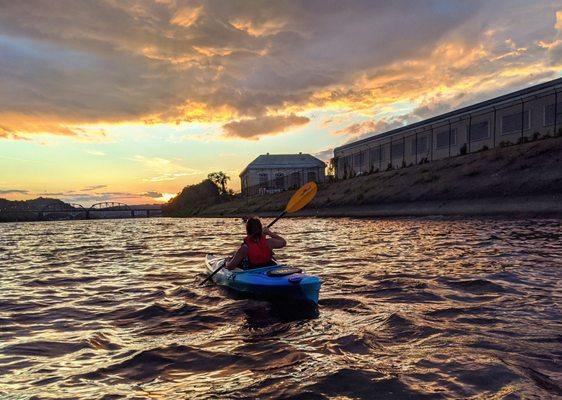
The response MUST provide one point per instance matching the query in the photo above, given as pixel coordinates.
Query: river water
(409, 308)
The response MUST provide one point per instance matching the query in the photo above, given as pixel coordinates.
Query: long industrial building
(510, 119)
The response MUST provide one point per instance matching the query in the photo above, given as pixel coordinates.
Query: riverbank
(537, 206)
(523, 179)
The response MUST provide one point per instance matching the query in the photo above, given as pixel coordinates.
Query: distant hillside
(501, 175)
(18, 210)
(193, 199)
(38, 203)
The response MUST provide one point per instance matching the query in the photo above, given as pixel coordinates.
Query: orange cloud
(64, 70)
(368, 128)
(186, 16)
(261, 126)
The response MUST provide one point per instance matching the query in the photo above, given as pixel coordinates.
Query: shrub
(536, 135)
(389, 166)
(462, 150)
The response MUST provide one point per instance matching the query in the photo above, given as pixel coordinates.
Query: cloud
(324, 155)
(91, 198)
(51, 194)
(186, 16)
(262, 126)
(165, 169)
(152, 194)
(368, 128)
(169, 176)
(68, 67)
(93, 187)
(96, 153)
(13, 191)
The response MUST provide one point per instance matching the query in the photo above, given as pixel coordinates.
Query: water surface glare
(409, 308)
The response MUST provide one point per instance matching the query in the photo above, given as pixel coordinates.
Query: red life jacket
(259, 253)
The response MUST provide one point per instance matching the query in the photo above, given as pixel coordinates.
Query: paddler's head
(254, 228)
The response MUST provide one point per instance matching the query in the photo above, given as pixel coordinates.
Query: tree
(219, 179)
(332, 166)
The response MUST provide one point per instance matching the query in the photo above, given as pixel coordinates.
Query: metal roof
(456, 113)
(284, 161)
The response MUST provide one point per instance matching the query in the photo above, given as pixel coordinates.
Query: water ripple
(410, 308)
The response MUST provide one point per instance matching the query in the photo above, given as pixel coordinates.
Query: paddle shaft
(277, 219)
(222, 266)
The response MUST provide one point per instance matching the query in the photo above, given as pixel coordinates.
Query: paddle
(301, 198)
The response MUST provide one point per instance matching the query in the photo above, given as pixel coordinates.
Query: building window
(512, 123)
(358, 161)
(423, 145)
(279, 181)
(263, 180)
(295, 180)
(375, 155)
(442, 139)
(311, 176)
(548, 119)
(397, 150)
(479, 131)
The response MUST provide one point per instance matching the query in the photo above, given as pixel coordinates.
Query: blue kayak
(274, 281)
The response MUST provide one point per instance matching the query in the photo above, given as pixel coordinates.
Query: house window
(311, 176)
(442, 138)
(279, 181)
(512, 123)
(295, 179)
(263, 180)
(479, 131)
(397, 150)
(548, 119)
(423, 145)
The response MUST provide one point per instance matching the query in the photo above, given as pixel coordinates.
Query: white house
(276, 172)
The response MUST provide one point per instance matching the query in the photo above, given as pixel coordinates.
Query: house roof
(284, 161)
(455, 113)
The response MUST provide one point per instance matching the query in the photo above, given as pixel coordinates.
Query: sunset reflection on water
(408, 307)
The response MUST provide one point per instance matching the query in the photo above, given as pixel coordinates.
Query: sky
(114, 100)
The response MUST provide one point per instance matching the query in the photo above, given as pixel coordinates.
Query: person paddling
(257, 249)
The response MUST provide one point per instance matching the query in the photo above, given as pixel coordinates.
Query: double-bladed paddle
(301, 198)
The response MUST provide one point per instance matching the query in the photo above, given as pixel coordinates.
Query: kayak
(274, 281)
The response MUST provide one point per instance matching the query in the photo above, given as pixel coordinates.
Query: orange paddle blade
(302, 197)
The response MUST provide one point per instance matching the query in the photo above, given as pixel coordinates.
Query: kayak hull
(258, 283)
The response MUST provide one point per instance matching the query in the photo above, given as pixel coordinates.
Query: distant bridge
(110, 205)
(61, 211)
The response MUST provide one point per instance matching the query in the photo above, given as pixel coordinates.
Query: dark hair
(254, 228)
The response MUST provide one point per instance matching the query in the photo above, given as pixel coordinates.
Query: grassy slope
(531, 169)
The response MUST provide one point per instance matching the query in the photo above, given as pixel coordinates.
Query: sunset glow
(107, 101)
